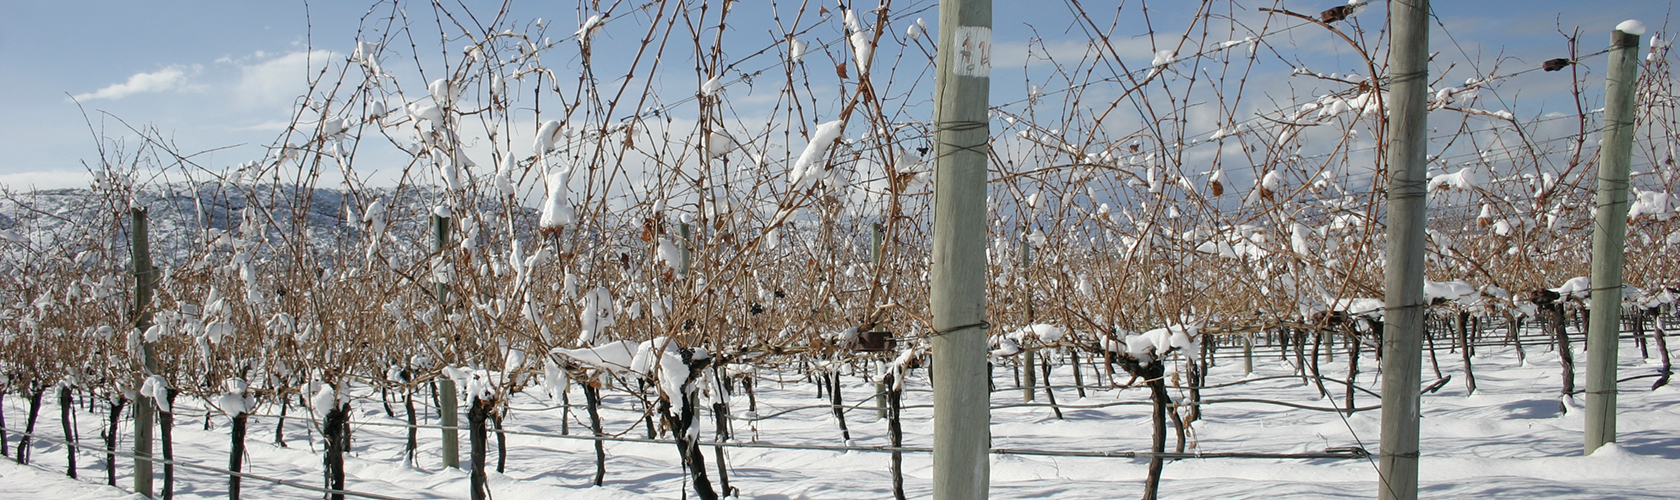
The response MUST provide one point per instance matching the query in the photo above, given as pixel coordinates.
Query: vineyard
(654, 251)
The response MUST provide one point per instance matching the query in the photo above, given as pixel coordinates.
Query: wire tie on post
(981, 325)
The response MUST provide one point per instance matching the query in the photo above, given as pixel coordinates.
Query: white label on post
(974, 52)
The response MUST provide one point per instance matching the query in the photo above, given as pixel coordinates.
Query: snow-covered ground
(1508, 440)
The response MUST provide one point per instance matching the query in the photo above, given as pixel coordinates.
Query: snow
(1631, 27)
(157, 388)
(670, 254)
(1042, 331)
(324, 401)
(595, 314)
(796, 50)
(554, 380)
(1272, 181)
(615, 357)
(515, 360)
(1463, 179)
(1502, 227)
(366, 55)
(719, 144)
(1664, 296)
(232, 404)
(712, 86)
(862, 47)
(1005, 348)
(1456, 290)
(1366, 307)
(672, 373)
(804, 170)
(1163, 58)
(588, 28)
(23, 482)
(1506, 440)
(557, 208)
(547, 136)
(1356, 6)
(915, 30)
(1579, 287)
(504, 177)
(444, 92)
(1653, 203)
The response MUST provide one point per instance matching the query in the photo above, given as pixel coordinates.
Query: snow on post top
(1631, 27)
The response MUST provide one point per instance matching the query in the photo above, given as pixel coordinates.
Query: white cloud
(267, 126)
(279, 81)
(164, 80)
(25, 181)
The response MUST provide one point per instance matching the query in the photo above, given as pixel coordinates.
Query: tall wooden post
(1610, 233)
(449, 411)
(961, 401)
(877, 238)
(1029, 360)
(144, 278)
(1402, 362)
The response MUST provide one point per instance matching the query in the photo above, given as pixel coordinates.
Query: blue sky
(227, 74)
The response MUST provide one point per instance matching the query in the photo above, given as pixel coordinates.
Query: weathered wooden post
(877, 238)
(1248, 353)
(961, 409)
(144, 278)
(1029, 357)
(1610, 234)
(449, 412)
(1402, 340)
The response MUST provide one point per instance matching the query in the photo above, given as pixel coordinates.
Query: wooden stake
(144, 276)
(1609, 236)
(961, 403)
(1408, 62)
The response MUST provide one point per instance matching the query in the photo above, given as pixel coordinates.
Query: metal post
(1609, 235)
(1402, 362)
(961, 410)
(144, 276)
(449, 412)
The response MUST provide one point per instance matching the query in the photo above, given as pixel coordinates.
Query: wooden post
(961, 403)
(144, 278)
(686, 247)
(1610, 233)
(1408, 62)
(1029, 356)
(449, 411)
(877, 239)
(1248, 353)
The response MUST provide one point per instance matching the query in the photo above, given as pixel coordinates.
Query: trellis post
(1610, 234)
(961, 409)
(144, 277)
(1402, 362)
